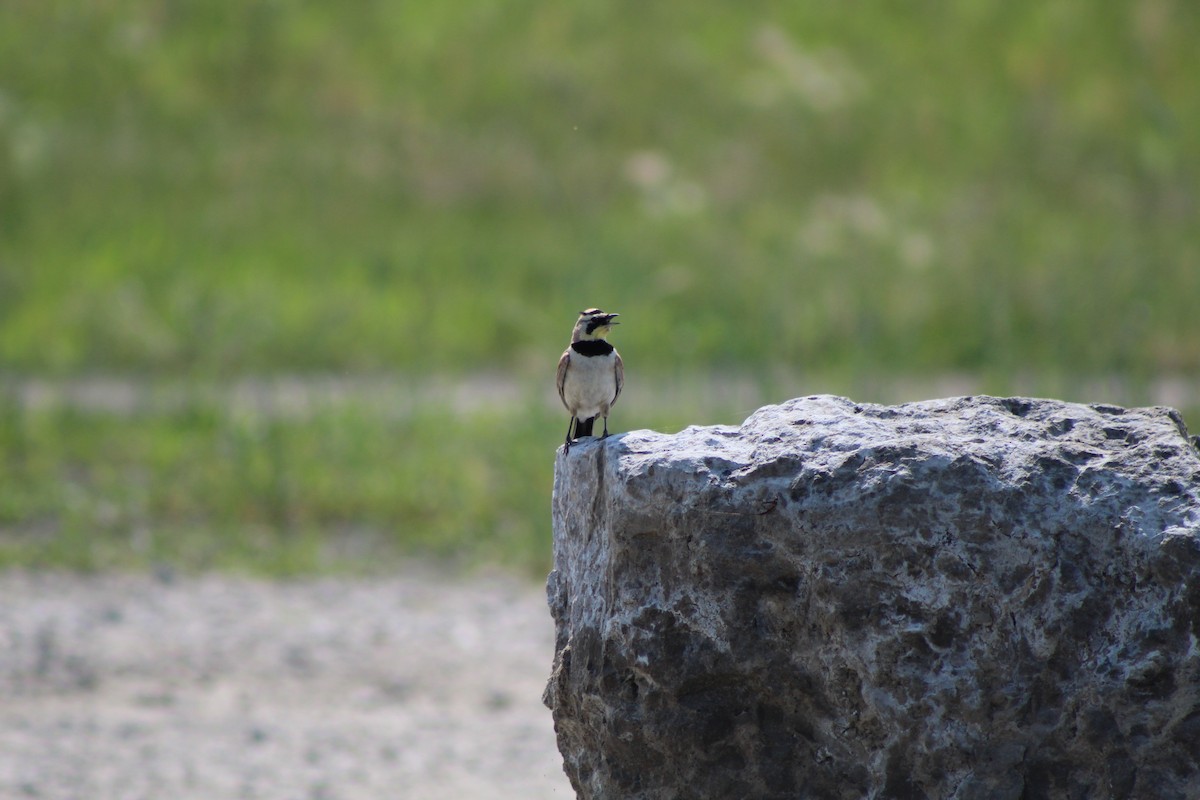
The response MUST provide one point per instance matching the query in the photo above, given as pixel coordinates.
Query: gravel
(418, 686)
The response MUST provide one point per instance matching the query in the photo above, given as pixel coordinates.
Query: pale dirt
(730, 396)
(130, 687)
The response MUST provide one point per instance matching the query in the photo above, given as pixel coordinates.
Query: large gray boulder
(964, 598)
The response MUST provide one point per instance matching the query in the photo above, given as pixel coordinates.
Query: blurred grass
(219, 189)
(211, 488)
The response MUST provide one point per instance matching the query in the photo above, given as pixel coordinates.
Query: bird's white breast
(590, 384)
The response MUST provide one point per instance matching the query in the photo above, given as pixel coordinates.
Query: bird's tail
(583, 427)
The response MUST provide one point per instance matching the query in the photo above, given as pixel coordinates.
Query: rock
(967, 598)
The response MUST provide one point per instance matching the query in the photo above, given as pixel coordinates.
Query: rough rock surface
(964, 598)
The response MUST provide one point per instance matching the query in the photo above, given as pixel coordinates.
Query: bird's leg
(605, 434)
(570, 425)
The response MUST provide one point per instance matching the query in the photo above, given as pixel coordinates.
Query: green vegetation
(207, 487)
(201, 191)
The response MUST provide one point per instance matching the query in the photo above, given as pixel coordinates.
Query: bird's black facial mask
(605, 321)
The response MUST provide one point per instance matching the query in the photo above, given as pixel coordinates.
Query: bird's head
(593, 324)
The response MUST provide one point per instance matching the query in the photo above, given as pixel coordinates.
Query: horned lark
(590, 373)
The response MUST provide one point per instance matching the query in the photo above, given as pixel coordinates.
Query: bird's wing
(619, 369)
(562, 374)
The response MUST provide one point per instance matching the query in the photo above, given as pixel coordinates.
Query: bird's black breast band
(592, 347)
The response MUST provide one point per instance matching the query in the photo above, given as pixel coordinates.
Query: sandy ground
(417, 686)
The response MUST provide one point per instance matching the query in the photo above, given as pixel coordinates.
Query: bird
(590, 374)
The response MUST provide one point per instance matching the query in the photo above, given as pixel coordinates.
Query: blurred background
(283, 283)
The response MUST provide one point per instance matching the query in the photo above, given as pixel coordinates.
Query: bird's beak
(610, 318)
